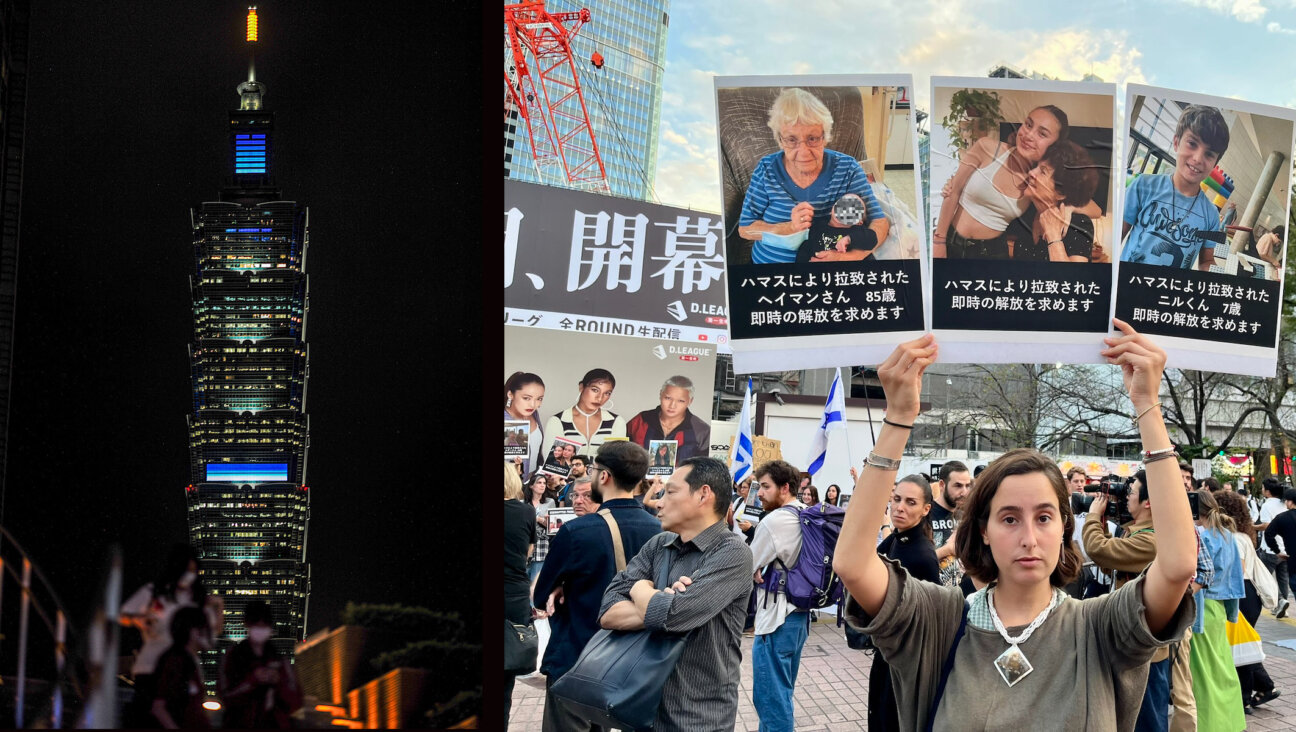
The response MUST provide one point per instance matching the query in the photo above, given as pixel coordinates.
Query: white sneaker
(1283, 604)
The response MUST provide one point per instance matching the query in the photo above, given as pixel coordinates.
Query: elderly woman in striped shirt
(794, 193)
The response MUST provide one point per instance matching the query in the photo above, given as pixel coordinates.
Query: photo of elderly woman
(812, 174)
(1024, 174)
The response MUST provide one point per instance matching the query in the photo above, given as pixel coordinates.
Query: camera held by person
(1115, 488)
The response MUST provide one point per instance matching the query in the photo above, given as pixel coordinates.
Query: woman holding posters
(798, 187)
(672, 420)
(523, 395)
(1062, 179)
(586, 422)
(990, 188)
(970, 665)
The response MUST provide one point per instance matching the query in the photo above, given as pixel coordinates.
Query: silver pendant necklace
(1012, 664)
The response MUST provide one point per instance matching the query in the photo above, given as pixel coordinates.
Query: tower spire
(250, 91)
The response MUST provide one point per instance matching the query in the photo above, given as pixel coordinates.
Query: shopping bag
(1244, 639)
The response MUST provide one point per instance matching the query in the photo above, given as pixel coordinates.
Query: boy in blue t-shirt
(1168, 219)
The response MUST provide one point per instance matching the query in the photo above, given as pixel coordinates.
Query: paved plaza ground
(832, 688)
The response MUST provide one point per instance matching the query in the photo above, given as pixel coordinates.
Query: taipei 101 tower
(247, 499)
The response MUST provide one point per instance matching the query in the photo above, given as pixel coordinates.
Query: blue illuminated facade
(623, 98)
(247, 472)
(248, 501)
(249, 153)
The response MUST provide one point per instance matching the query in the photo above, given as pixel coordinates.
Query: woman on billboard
(523, 394)
(586, 422)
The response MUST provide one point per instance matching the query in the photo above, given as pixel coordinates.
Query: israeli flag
(742, 459)
(834, 418)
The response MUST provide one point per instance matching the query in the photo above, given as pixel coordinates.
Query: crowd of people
(1135, 598)
(177, 619)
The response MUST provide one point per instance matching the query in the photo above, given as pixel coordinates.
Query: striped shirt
(702, 693)
(563, 424)
(772, 195)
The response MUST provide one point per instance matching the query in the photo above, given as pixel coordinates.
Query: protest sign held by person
(957, 657)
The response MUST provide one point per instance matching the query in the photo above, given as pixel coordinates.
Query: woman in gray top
(987, 663)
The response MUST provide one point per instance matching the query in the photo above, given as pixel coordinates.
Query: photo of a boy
(1168, 218)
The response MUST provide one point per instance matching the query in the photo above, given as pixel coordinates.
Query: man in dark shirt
(1284, 525)
(582, 561)
(710, 577)
(949, 492)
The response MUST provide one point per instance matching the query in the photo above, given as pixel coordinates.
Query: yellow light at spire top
(252, 24)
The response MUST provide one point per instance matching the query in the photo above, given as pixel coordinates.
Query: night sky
(126, 131)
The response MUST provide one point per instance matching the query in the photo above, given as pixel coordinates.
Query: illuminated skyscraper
(248, 504)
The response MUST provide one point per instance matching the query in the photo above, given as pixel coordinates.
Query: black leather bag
(618, 679)
(521, 647)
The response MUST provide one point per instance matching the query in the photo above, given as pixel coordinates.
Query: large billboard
(589, 388)
(590, 263)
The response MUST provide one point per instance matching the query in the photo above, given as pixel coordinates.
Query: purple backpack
(811, 583)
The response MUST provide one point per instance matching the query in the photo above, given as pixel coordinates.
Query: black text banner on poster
(983, 294)
(832, 298)
(597, 264)
(1023, 210)
(1190, 304)
(823, 234)
(1206, 205)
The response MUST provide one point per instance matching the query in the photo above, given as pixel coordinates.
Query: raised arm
(1142, 363)
(856, 559)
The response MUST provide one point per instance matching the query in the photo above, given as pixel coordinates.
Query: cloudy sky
(1236, 48)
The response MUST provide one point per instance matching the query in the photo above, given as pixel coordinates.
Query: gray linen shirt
(1090, 657)
(702, 694)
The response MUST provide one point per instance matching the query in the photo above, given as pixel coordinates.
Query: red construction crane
(547, 94)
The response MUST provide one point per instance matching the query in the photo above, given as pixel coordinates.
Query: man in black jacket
(582, 562)
(1284, 525)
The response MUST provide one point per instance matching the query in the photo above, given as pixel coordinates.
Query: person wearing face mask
(256, 684)
(151, 610)
(178, 697)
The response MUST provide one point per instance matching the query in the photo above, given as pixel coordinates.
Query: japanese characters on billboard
(822, 224)
(590, 263)
(1023, 192)
(1207, 188)
(577, 390)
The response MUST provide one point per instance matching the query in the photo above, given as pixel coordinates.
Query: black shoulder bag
(618, 679)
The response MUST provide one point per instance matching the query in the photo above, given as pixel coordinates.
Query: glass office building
(248, 503)
(623, 98)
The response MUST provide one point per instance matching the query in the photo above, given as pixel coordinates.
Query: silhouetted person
(256, 683)
(178, 699)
